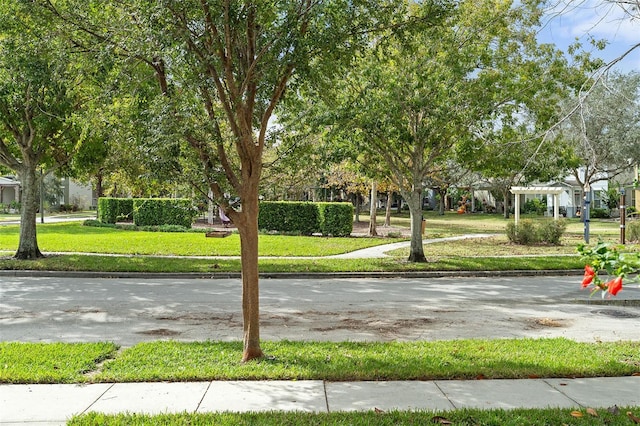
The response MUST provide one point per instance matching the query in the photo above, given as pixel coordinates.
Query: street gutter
(288, 275)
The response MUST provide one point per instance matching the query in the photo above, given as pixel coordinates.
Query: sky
(567, 20)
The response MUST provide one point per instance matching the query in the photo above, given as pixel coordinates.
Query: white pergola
(556, 191)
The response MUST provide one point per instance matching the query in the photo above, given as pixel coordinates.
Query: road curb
(287, 275)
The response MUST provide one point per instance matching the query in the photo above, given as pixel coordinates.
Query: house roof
(8, 182)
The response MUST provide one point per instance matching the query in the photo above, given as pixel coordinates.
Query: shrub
(112, 210)
(535, 206)
(529, 232)
(163, 211)
(289, 217)
(98, 224)
(522, 233)
(336, 219)
(305, 218)
(599, 214)
(550, 231)
(633, 230)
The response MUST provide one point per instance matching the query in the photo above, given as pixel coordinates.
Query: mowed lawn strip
(74, 237)
(131, 263)
(334, 361)
(51, 362)
(514, 417)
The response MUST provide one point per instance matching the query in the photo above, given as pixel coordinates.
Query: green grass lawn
(334, 361)
(141, 251)
(463, 417)
(75, 262)
(73, 237)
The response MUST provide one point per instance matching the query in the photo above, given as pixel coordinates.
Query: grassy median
(334, 361)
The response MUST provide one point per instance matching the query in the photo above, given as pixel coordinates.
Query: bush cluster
(599, 214)
(163, 211)
(336, 219)
(112, 210)
(131, 227)
(147, 211)
(633, 230)
(305, 218)
(535, 206)
(529, 232)
(289, 217)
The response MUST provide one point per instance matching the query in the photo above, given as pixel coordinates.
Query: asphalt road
(128, 311)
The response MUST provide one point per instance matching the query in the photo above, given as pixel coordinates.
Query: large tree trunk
(505, 196)
(441, 203)
(28, 246)
(99, 187)
(387, 214)
(248, 229)
(373, 209)
(414, 200)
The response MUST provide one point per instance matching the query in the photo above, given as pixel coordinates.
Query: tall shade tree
(223, 67)
(38, 99)
(416, 98)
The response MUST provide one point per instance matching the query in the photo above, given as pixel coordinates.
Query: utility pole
(587, 204)
(623, 215)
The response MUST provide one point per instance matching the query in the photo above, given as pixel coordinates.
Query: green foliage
(599, 214)
(163, 211)
(331, 219)
(290, 217)
(536, 206)
(112, 210)
(336, 219)
(536, 232)
(633, 230)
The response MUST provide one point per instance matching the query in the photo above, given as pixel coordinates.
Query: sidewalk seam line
(562, 393)
(97, 399)
(203, 396)
(326, 396)
(445, 395)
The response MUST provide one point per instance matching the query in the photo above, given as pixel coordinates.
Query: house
(73, 193)
(9, 190)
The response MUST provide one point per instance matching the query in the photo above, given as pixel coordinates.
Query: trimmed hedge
(163, 211)
(111, 210)
(336, 219)
(306, 218)
(291, 217)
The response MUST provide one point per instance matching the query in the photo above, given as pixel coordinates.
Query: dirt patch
(385, 327)
(546, 323)
(196, 317)
(362, 229)
(163, 332)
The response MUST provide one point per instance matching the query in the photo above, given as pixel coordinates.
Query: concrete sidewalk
(55, 404)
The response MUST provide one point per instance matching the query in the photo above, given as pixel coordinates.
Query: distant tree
(38, 102)
(604, 128)
(419, 97)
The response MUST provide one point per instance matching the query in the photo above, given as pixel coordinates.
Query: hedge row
(305, 218)
(147, 211)
(112, 210)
